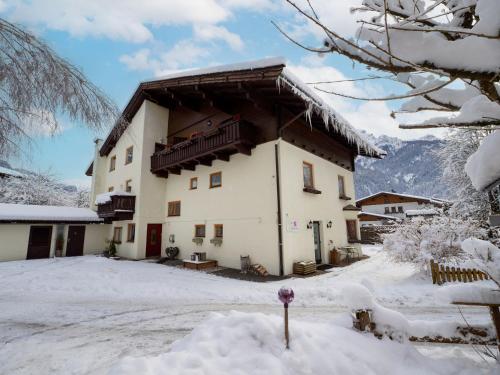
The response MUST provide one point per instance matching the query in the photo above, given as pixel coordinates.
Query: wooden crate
(304, 268)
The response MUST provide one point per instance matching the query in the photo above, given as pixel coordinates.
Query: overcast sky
(119, 43)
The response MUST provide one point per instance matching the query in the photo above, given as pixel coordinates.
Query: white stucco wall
(303, 207)
(148, 126)
(245, 205)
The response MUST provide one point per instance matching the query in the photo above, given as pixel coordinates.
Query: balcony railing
(217, 143)
(120, 207)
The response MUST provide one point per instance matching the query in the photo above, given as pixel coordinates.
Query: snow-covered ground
(84, 315)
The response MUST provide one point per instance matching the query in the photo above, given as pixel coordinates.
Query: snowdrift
(243, 343)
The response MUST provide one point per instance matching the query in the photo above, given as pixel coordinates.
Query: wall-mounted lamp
(209, 123)
(310, 224)
(329, 224)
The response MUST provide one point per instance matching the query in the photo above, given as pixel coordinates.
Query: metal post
(287, 337)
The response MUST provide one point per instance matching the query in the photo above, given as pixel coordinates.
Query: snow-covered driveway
(80, 315)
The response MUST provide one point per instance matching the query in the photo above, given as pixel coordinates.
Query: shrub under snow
(438, 238)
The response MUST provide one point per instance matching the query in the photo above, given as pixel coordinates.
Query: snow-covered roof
(436, 201)
(483, 166)
(286, 79)
(423, 212)
(35, 213)
(10, 172)
(378, 215)
(106, 197)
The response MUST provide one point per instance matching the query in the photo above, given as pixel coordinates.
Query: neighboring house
(34, 232)
(233, 161)
(483, 168)
(393, 206)
(369, 219)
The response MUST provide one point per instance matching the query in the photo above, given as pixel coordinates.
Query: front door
(39, 242)
(153, 240)
(76, 236)
(317, 241)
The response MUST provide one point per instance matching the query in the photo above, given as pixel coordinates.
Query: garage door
(39, 242)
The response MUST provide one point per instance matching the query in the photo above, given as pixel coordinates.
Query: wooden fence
(442, 274)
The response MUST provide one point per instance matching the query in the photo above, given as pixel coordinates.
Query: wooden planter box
(199, 265)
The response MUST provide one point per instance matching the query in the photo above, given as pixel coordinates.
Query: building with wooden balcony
(231, 161)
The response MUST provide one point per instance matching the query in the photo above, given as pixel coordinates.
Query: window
(218, 231)
(112, 163)
(193, 183)
(308, 175)
(393, 210)
(128, 186)
(216, 180)
(131, 233)
(174, 208)
(110, 189)
(400, 209)
(386, 210)
(117, 235)
(352, 230)
(199, 230)
(129, 155)
(341, 186)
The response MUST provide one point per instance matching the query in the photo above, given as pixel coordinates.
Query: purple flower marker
(286, 296)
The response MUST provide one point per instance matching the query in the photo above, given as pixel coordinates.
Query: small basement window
(110, 189)
(117, 235)
(128, 186)
(131, 233)
(174, 208)
(216, 180)
(193, 183)
(129, 155)
(199, 230)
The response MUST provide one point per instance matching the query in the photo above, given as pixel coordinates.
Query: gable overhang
(268, 86)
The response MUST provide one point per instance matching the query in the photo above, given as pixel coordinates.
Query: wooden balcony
(120, 207)
(233, 137)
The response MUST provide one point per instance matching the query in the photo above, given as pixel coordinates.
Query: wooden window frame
(387, 210)
(126, 155)
(112, 163)
(174, 203)
(311, 167)
(115, 229)
(128, 184)
(215, 174)
(216, 227)
(191, 183)
(196, 230)
(130, 231)
(400, 210)
(341, 178)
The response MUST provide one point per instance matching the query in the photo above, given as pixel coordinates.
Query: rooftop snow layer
(287, 79)
(423, 212)
(378, 215)
(24, 212)
(430, 200)
(483, 166)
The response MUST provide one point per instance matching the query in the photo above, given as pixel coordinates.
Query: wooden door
(317, 241)
(39, 242)
(76, 237)
(153, 240)
(352, 230)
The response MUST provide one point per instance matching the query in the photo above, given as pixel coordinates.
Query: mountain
(410, 167)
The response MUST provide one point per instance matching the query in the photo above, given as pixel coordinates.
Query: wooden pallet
(304, 268)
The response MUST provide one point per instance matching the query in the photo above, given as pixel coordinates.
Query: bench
(200, 264)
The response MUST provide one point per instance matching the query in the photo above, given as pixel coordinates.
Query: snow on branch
(449, 41)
